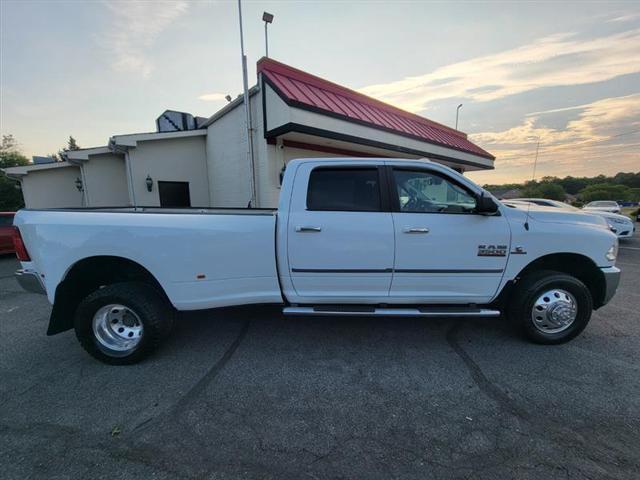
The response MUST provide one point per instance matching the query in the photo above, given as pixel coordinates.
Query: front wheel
(122, 323)
(551, 307)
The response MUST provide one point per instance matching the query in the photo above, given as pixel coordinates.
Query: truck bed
(202, 257)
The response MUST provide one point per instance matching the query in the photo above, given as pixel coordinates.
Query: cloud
(556, 60)
(135, 27)
(604, 132)
(625, 18)
(212, 97)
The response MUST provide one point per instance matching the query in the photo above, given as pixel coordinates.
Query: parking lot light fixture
(267, 18)
(457, 114)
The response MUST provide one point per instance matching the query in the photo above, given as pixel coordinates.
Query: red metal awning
(303, 90)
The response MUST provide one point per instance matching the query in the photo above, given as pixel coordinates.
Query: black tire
(151, 308)
(535, 284)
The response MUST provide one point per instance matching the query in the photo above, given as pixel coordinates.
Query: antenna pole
(535, 164)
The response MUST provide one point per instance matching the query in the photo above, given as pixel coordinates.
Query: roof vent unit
(42, 160)
(172, 121)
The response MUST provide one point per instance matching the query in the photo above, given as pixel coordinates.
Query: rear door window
(344, 189)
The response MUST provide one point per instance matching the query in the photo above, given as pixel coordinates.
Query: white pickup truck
(350, 237)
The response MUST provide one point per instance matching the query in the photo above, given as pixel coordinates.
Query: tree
(604, 191)
(633, 195)
(629, 179)
(72, 144)
(552, 191)
(547, 188)
(572, 185)
(10, 156)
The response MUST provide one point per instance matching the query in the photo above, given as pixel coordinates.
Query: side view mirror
(486, 205)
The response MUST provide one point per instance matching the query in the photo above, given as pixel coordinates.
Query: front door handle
(302, 228)
(416, 230)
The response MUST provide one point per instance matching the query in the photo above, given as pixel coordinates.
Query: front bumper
(611, 280)
(30, 281)
(623, 230)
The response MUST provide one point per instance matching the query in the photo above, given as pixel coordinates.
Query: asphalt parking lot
(250, 394)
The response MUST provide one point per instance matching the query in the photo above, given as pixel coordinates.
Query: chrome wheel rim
(117, 329)
(554, 311)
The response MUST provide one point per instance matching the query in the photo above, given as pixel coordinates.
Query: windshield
(602, 204)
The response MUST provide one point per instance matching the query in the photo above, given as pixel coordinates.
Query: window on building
(174, 194)
(6, 220)
(344, 189)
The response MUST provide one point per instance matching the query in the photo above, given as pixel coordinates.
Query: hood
(609, 215)
(559, 215)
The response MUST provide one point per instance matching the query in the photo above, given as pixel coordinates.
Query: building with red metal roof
(304, 91)
(195, 161)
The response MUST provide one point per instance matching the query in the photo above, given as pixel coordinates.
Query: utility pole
(247, 111)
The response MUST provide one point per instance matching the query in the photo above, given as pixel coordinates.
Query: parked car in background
(6, 232)
(621, 225)
(603, 206)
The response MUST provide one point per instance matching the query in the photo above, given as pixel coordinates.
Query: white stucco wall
(52, 188)
(172, 160)
(227, 157)
(105, 178)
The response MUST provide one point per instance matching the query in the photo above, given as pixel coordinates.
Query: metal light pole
(247, 112)
(457, 112)
(267, 18)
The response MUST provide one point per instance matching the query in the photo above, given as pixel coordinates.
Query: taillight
(18, 245)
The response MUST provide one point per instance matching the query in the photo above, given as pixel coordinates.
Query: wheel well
(86, 276)
(579, 266)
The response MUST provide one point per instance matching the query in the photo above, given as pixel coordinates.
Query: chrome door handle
(416, 230)
(308, 229)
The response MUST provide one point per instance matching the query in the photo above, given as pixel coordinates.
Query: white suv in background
(621, 225)
(603, 206)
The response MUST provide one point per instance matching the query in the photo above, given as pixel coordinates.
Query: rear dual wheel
(123, 323)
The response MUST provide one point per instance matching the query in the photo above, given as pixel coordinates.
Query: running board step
(357, 310)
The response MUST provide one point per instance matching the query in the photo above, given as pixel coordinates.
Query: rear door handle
(416, 230)
(302, 228)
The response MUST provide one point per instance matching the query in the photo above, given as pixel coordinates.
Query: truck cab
(398, 232)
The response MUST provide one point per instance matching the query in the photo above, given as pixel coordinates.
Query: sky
(564, 75)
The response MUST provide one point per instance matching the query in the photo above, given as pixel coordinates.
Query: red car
(6, 232)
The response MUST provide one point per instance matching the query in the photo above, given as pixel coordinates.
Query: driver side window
(426, 192)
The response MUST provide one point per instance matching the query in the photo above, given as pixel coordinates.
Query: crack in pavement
(545, 427)
(179, 407)
(485, 385)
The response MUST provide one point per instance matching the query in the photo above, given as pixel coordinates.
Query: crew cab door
(340, 233)
(445, 251)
